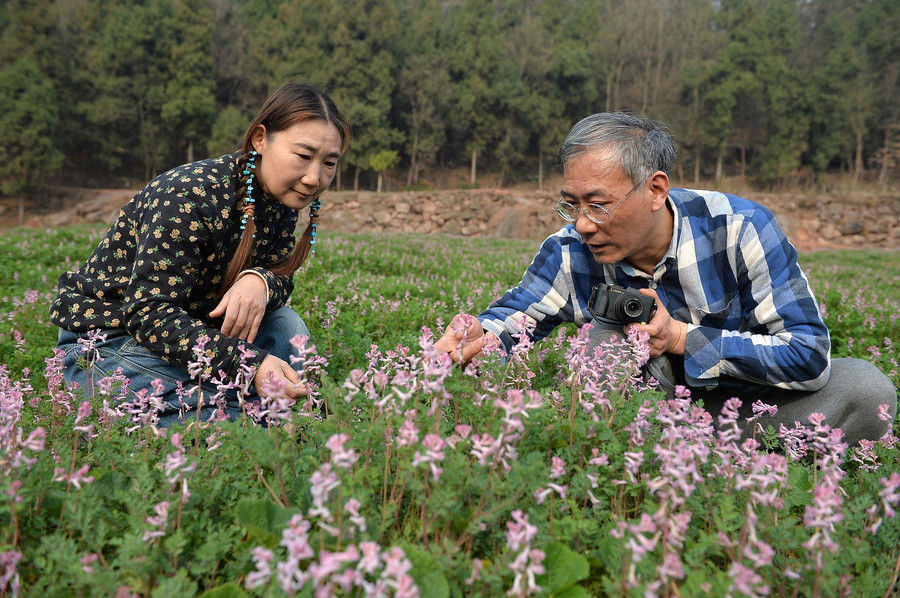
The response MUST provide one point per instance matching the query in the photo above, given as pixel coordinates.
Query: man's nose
(584, 225)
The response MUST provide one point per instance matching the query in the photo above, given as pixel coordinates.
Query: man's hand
(464, 339)
(244, 306)
(282, 373)
(667, 335)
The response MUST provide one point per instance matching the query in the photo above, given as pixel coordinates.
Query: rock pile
(812, 221)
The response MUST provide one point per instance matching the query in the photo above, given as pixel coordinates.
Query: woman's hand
(244, 306)
(282, 373)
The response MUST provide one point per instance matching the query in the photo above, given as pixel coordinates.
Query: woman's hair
(641, 145)
(289, 104)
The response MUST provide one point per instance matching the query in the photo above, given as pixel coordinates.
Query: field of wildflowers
(402, 475)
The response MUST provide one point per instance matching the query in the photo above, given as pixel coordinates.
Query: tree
(422, 82)
(381, 161)
(350, 48)
(227, 131)
(189, 103)
(28, 117)
(128, 70)
(475, 51)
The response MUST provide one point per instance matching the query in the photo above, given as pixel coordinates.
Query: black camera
(613, 304)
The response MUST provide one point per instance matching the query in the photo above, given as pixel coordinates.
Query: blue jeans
(141, 367)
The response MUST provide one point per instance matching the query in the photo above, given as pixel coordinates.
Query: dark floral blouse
(157, 272)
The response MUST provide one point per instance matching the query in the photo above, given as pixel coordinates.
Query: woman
(207, 251)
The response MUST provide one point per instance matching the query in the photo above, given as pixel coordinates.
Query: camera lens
(632, 308)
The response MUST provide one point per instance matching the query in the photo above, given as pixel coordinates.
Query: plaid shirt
(730, 273)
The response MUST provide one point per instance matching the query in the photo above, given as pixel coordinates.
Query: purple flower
(9, 577)
(261, 558)
(747, 581)
(340, 456)
(557, 468)
(159, 521)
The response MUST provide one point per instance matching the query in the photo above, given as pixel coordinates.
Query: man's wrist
(678, 344)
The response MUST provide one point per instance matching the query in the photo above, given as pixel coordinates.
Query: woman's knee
(285, 322)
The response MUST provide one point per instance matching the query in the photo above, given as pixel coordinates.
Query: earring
(249, 169)
(313, 218)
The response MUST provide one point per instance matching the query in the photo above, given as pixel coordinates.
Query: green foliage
(28, 120)
(768, 89)
(227, 132)
(366, 299)
(381, 161)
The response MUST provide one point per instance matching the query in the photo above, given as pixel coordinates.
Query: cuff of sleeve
(261, 275)
(491, 325)
(702, 356)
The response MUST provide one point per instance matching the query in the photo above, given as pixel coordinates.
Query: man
(735, 314)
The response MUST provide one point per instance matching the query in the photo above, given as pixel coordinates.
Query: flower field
(552, 473)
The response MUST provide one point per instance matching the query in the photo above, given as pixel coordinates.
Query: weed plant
(555, 472)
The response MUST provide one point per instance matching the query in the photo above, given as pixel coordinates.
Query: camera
(613, 304)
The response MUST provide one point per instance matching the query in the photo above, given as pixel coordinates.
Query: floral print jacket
(157, 272)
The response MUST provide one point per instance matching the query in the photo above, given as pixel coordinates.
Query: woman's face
(298, 163)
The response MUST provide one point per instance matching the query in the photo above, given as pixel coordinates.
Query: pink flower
(408, 434)
(261, 558)
(370, 560)
(9, 577)
(76, 478)
(159, 521)
(760, 409)
(557, 468)
(747, 581)
(322, 482)
(295, 537)
(518, 531)
(671, 567)
(340, 456)
(433, 454)
(87, 562)
(884, 412)
(597, 459)
(352, 508)
(890, 495)
(395, 562)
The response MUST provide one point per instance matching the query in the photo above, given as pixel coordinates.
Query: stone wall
(812, 221)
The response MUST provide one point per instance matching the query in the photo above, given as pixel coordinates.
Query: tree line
(100, 91)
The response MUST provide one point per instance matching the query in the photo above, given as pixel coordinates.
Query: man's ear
(658, 183)
(258, 139)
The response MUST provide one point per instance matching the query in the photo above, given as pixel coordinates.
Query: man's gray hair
(641, 145)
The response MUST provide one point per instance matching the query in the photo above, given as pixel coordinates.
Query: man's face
(594, 178)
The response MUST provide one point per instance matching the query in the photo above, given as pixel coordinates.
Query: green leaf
(228, 590)
(426, 572)
(799, 486)
(564, 567)
(572, 592)
(262, 519)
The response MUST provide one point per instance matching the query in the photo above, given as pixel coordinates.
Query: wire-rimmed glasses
(597, 213)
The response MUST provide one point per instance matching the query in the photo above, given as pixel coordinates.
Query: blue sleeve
(554, 289)
(782, 340)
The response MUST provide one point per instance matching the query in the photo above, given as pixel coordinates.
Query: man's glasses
(597, 213)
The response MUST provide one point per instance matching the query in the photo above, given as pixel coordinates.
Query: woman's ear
(258, 139)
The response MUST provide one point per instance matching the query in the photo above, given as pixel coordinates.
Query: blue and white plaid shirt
(730, 273)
